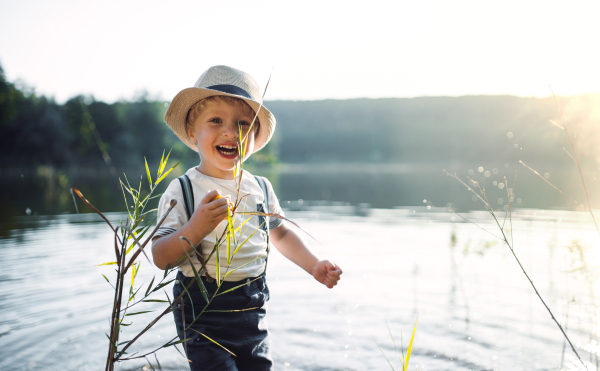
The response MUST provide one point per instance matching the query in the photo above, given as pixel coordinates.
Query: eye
(243, 123)
(216, 120)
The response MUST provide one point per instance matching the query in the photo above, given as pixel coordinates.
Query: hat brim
(176, 115)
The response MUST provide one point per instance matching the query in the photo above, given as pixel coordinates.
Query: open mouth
(228, 151)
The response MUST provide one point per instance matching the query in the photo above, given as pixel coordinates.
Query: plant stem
(552, 185)
(113, 314)
(144, 330)
(531, 282)
(115, 321)
(505, 239)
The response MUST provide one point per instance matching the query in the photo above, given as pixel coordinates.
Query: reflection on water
(44, 191)
(476, 309)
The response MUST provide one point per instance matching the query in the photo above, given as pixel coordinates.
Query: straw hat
(220, 80)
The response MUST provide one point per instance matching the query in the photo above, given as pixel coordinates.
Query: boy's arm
(167, 250)
(291, 245)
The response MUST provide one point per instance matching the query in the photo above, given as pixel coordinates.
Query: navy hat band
(231, 89)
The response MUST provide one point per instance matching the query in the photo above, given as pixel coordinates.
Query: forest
(85, 133)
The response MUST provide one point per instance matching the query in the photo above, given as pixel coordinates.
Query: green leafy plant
(130, 239)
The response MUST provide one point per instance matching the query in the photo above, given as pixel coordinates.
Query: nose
(231, 130)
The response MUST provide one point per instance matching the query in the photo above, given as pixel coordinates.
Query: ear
(192, 136)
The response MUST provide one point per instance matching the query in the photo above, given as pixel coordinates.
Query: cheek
(204, 136)
(193, 133)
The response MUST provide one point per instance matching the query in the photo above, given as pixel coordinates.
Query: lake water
(45, 191)
(475, 308)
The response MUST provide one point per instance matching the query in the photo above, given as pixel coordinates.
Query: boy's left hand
(327, 273)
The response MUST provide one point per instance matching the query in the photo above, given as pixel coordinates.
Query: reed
(507, 235)
(130, 240)
(578, 259)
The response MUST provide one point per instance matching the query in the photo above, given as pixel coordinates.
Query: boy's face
(216, 133)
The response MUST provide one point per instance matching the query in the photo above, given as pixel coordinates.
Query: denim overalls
(243, 332)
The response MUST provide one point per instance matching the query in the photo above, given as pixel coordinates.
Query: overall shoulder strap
(188, 194)
(263, 185)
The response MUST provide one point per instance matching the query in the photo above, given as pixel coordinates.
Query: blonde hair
(197, 108)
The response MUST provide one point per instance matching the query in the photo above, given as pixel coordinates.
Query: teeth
(227, 150)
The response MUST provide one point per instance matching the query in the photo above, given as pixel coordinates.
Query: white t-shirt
(255, 246)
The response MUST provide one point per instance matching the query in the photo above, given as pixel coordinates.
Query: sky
(312, 49)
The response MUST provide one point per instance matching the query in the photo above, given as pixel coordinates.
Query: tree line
(83, 132)
(38, 131)
(437, 130)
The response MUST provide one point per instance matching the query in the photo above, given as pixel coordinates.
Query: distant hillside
(434, 129)
(37, 131)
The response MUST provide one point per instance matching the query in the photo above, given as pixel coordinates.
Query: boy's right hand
(211, 211)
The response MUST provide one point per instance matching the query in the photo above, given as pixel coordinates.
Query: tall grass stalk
(571, 139)
(127, 237)
(508, 240)
(587, 206)
(132, 234)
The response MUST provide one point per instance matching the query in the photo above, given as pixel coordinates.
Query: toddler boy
(216, 119)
